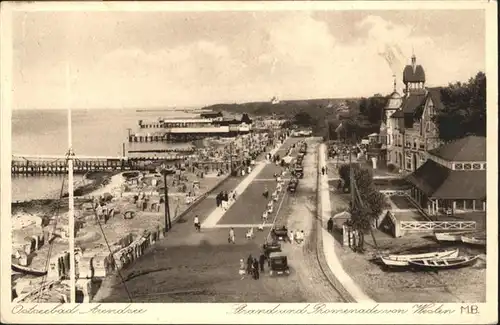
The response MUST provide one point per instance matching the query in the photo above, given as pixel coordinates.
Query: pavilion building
(453, 178)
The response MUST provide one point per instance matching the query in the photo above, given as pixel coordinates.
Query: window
(459, 166)
(478, 205)
(467, 166)
(476, 166)
(459, 204)
(468, 204)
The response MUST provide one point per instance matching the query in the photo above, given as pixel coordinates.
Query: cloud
(293, 55)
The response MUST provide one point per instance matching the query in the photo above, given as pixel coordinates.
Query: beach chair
(249, 234)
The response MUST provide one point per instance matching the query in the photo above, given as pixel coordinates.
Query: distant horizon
(200, 107)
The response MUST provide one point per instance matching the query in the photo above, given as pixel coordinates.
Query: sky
(173, 59)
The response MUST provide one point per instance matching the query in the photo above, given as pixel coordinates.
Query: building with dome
(409, 129)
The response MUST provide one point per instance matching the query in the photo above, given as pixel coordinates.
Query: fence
(395, 192)
(437, 225)
(399, 228)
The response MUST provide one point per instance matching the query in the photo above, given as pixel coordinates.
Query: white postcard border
(225, 313)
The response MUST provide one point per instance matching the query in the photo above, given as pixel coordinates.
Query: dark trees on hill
(303, 119)
(464, 111)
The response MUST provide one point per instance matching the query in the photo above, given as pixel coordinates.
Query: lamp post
(164, 171)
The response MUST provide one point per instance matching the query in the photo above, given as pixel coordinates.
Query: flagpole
(71, 203)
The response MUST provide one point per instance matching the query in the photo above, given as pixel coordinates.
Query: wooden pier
(31, 165)
(181, 137)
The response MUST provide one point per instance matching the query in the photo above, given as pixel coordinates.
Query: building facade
(453, 179)
(409, 128)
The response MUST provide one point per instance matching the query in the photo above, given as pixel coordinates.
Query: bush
(392, 168)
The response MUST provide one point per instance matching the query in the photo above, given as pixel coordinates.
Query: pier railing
(54, 165)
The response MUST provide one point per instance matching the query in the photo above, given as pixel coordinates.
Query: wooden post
(167, 206)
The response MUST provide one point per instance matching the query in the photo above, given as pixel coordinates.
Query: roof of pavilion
(439, 182)
(469, 148)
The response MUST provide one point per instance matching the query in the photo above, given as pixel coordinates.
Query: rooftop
(410, 75)
(469, 148)
(413, 102)
(437, 181)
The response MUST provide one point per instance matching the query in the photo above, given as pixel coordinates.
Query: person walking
(329, 225)
(255, 269)
(262, 260)
(231, 238)
(323, 170)
(249, 264)
(197, 223)
(218, 200)
(266, 192)
(241, 270)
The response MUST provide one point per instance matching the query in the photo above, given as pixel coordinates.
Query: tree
(367, 203)
(246, 119)
(303, 119)
(464, 109)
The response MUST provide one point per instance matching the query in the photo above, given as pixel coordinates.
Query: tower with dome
(409, 130)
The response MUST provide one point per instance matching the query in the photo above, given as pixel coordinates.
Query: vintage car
(292, 187)
(280, 233)
(271, 247)
(299, 172)
(278, 264)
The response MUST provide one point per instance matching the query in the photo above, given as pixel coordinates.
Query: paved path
(217, 214)
(329, 242)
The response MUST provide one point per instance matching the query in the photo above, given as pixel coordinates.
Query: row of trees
(464, 109)
(463, 113)
(365, 117)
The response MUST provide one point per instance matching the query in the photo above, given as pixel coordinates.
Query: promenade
(191, 266)
(329, 241)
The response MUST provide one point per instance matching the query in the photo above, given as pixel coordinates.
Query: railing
(395, 192)
(437, 225)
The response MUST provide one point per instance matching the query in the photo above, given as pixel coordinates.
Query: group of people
(222, 199)
(253, 266)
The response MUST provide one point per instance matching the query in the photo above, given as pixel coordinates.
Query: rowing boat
(27, 270)
(444, 263)
(402, 260)
(474, 240)
(451, 236)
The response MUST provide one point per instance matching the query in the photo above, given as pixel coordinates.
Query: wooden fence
(437, 225)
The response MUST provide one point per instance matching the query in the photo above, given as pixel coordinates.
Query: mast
(71, 203)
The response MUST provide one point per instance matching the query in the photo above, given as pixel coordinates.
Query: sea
(98, 132)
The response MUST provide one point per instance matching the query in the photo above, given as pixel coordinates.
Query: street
(188, 266)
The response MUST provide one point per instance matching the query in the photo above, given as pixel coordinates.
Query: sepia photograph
(247, 155)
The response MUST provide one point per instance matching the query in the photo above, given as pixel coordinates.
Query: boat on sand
(27, 270)
(444, 263)
(474, 240)
(452, 235)
(402, 260)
